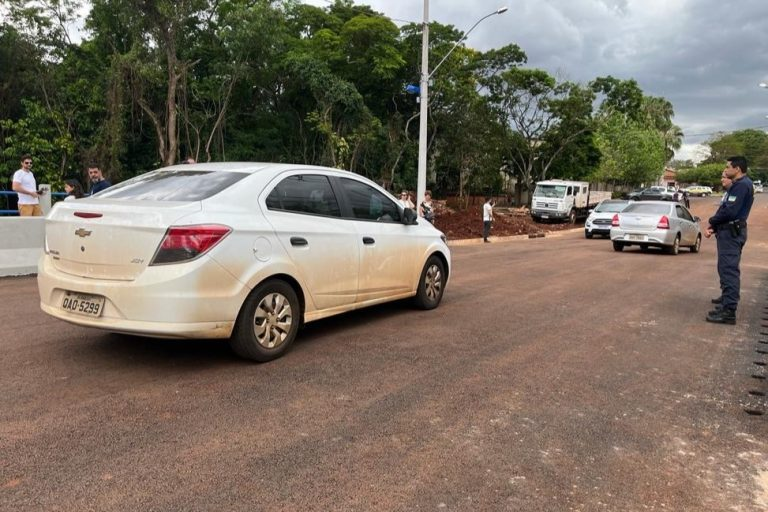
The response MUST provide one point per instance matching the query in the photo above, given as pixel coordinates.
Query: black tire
(268, 322)
(674, 250)
(618, 246)
(587, 234)
(644, 248)
(572, 217)
(697, 246)
(431, 284)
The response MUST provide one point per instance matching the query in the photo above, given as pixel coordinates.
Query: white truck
(564, 200)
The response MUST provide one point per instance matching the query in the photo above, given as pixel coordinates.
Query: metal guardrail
(5, 196)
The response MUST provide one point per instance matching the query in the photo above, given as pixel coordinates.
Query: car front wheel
(587, 234)
(268, 322)
(431, 284)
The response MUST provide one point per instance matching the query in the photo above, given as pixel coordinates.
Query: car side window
(306, 193)
(368, 203)
(683, 213)
(569, 192)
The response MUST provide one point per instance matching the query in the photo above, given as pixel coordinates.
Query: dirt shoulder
(467, 224)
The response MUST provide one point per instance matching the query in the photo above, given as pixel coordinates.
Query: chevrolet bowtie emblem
(82, 233)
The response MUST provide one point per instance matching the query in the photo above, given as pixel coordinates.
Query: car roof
(244, 167)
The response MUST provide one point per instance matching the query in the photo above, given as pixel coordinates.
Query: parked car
(699, 190)
(758, 185)
(599, 220)
(655, 193)
(245, 251)
(656, 224)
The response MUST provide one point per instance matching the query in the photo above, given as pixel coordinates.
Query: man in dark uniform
(729, 224)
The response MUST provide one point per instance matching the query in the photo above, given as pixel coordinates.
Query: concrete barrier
(21, 244)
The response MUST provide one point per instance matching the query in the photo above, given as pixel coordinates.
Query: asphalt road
(556, 375)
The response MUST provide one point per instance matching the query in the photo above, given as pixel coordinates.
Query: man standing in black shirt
(98, 182)
(729, 224)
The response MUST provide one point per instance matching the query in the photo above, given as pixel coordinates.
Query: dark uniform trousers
(729, 247)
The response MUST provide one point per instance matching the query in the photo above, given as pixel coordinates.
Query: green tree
(752, 144)
(704, 174)
(545, 119)
(35, 133)
(631, 152)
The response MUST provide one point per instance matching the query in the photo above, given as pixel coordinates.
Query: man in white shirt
(487, 218)
(25, 186)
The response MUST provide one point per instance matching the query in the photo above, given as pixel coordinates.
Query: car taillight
(615, 220)
(184, 243)
(663, 223)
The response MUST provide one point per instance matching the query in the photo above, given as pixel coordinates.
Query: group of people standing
(25, 186)
(426, 209)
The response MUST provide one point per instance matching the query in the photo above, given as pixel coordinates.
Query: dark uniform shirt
(736, 204)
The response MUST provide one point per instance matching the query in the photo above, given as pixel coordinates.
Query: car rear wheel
(268, 322)
(431, 284)
(697, 246)
(618, 246)
(674, 249)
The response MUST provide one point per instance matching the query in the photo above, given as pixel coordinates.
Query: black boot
(718, 300)
(722, 316)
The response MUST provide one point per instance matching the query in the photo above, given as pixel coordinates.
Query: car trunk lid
(110, 239)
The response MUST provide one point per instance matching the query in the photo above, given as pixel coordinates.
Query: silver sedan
(656, 223)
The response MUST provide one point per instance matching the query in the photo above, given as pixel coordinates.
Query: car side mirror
(591, 210)
(409, 216)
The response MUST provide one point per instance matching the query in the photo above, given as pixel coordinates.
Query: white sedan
(245, 251)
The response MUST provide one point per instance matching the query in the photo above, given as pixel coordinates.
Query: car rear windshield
(173, 185)
(611, 207)
(647, 208)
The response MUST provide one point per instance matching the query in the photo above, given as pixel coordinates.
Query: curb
(476, 241)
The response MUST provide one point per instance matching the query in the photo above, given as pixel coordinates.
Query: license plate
(637, 237)
(545, 216)
(83, 304)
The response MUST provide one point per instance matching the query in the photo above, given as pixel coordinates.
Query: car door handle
(367, 240)
(298, 241)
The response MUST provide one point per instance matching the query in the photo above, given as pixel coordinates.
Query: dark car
(651, 194)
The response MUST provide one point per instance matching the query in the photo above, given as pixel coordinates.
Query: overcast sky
(705, 56)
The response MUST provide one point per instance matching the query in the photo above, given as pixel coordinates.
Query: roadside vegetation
(148, 83)
(753, 144)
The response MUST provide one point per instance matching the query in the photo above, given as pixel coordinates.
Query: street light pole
(421, 181)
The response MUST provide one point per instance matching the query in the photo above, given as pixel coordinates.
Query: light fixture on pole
(421, 181)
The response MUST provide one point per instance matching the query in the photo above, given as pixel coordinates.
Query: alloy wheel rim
(433, 282)
(272, 320)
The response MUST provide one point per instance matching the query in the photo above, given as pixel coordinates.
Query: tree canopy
(152, 82)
